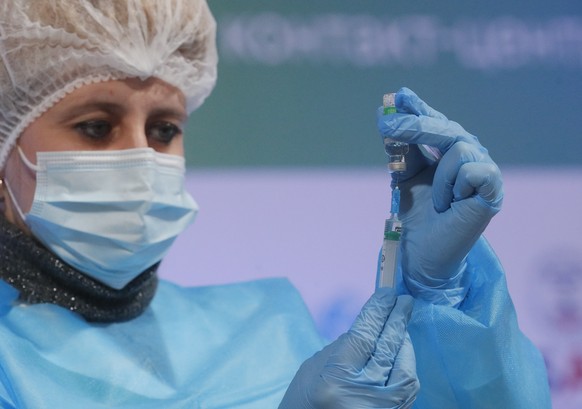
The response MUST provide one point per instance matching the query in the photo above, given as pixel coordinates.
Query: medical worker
(93, 99)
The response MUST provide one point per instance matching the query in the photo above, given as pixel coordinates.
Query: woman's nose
(133, 136)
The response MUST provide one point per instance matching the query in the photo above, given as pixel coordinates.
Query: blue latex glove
(445, 204)
(370, 366)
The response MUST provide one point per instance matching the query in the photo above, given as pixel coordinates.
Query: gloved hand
(370, 366)
(445, 204)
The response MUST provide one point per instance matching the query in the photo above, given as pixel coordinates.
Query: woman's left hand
(370, 366)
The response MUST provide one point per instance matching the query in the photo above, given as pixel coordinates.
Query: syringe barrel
(390, 253)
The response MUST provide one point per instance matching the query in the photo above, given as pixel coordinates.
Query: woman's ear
(2, 194)
(6, 206)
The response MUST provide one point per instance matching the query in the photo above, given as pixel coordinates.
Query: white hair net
(48, 48)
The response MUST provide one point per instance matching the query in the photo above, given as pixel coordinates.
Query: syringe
(391, 246)
(393, 226)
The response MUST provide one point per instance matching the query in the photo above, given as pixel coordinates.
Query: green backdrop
(299, 81)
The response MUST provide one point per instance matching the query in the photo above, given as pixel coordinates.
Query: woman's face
(110, 115)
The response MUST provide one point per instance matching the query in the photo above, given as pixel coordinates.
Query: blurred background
(289, 171)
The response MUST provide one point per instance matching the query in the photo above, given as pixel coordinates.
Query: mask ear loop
(29, 164)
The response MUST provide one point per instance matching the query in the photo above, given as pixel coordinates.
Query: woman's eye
(163, 132)
(96, 129)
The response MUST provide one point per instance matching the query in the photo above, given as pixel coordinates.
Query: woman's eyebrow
(119, 109)
(178, 114)
(82, 109)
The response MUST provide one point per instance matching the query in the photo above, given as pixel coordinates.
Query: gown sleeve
(5, 401)
(6, 293)
(475, 356)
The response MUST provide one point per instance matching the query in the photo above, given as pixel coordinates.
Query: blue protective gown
(238, 346)
(475, 356)
(233, 346)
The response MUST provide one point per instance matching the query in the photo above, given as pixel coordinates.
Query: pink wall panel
(323, 229)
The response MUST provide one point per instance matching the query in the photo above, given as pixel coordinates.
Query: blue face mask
(110, 214)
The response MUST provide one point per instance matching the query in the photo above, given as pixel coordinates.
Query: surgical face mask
(109, 214)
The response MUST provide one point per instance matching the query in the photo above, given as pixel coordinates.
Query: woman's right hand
(446, 203)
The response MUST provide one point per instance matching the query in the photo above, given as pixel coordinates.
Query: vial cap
(397, 166)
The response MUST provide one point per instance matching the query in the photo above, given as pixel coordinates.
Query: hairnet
(48, 48)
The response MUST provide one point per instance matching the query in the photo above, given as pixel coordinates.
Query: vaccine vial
(395, 150)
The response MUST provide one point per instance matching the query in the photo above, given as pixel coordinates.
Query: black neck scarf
(41, 277)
